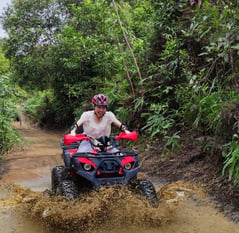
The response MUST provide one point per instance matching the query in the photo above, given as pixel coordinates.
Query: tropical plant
(172, 144)
(157, 120)
(231, 164)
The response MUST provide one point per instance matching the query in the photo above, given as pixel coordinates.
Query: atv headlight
(87, 167)
(128, 166)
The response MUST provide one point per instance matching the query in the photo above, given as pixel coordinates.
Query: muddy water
(26, 204)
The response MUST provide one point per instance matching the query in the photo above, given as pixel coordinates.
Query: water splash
(107, 207)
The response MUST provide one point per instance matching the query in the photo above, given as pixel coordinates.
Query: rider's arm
(74, 128)
(122, 127)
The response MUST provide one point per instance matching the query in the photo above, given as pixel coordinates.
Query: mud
(183, 208)
(27, 204)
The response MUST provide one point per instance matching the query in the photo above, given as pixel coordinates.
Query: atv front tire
(58, 174)
(147, 190)
(67, 188)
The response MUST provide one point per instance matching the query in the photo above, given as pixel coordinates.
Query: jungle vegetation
(167, 66)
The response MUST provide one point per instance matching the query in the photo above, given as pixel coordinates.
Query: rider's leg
(84, 146)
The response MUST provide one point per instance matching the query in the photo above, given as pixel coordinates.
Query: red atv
(100, 168)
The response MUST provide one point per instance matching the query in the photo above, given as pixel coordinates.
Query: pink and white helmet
(100, 99)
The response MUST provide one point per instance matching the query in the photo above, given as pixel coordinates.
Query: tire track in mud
(26, 204)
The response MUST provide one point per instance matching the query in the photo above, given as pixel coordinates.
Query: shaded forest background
(168, 67)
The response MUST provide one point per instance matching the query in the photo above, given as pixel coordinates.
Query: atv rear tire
(147, 190)
(68, 189)
(57, 175)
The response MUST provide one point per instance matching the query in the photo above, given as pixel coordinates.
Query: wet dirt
(27, 205)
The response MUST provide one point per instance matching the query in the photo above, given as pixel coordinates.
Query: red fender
(126, 160)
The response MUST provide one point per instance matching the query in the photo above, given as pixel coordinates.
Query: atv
(84, 172)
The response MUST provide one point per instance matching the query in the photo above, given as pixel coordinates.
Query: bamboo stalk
(129, 46)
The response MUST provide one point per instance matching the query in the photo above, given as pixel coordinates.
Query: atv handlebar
(68, 139)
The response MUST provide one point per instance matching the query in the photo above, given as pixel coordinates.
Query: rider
(97, 122)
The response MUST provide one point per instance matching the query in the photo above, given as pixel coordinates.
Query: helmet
(100, 99)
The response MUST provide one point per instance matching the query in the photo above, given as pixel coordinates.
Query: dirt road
(32, 165)
(184, 207)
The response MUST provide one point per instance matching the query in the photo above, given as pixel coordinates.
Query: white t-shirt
(97, 129)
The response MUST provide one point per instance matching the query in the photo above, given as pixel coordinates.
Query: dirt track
(41, 152)
(184, 207)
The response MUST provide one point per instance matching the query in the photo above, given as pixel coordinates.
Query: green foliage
(157, 121)
(70, 46)
(31, 26)
(8, 135)
(4, 63)
(231, 164)
(215, 30)
(202, 110)
(36, 105)
(32, 23)
(172, 144)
